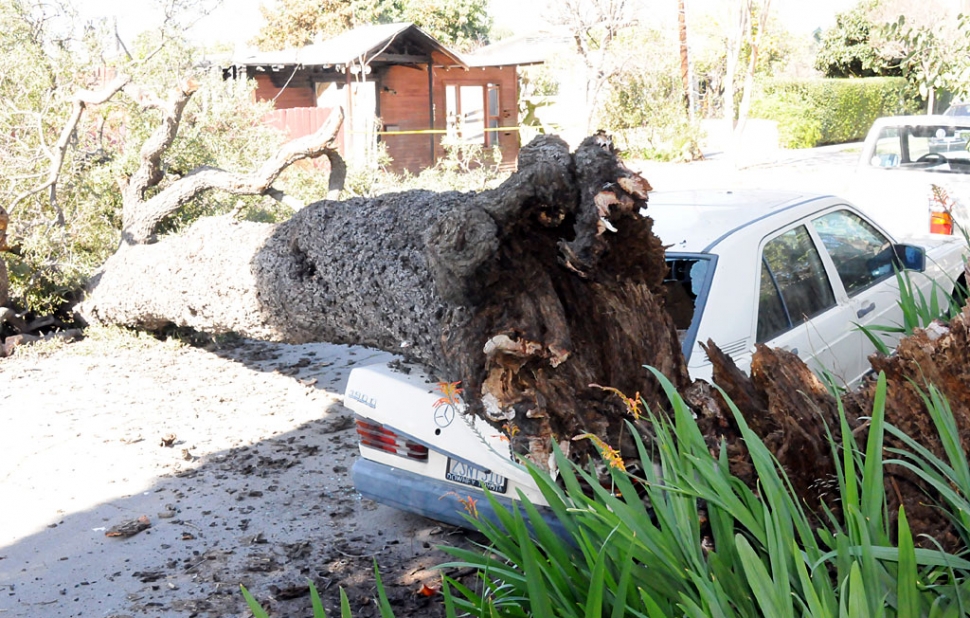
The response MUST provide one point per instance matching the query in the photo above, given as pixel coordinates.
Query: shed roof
(366, 42)
(533, 48)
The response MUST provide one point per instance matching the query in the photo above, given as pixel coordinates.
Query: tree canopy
(78, 104)
(295, 23)
(850, 49)
(923, 41)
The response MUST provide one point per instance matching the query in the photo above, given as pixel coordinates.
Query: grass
(98, 341)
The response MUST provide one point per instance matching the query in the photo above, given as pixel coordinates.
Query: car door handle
(865, 310)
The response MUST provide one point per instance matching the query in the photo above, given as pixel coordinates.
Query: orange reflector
(941, 223)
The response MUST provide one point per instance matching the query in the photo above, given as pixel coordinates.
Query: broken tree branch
(140, 218)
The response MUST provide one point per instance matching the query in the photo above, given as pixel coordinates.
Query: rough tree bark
(522, 293)
(792, 411)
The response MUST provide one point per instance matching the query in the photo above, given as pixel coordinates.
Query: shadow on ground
(270, 513)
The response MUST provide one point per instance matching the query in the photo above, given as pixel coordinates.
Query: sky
(237, 21)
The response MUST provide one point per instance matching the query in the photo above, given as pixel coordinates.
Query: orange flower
(607, 452)
(470, 504)
(632, 403)
(451, 394)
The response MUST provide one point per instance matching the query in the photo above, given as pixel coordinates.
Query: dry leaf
(129, 528)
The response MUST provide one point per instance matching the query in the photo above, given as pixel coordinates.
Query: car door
(864, 258)
(798, 306)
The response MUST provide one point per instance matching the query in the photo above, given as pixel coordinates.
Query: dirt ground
(238, 455)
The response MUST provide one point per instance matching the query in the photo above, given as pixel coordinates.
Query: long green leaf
(597, 583)
(315, 602)
(531, 566)
(759, 579)
(816, 605)
(873, 491)
(857, 602)
(382, 601)
(254, 606)
(907, 584)
(345, 611)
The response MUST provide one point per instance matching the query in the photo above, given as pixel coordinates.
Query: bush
(843, 108)
(645, 113)
(798, 123)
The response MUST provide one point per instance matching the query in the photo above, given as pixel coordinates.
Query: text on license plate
(461, 472)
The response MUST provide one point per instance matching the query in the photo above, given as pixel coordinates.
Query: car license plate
(461, 472)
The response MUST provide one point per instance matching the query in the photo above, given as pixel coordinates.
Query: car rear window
(686, 285)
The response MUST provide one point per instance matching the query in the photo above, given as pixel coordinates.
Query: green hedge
(831, 111)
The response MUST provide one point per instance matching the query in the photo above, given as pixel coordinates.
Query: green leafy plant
(919, 309)
(689, 538)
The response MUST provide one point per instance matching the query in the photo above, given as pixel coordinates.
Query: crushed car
(789, 270)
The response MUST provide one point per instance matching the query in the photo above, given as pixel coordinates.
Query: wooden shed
(398, 85)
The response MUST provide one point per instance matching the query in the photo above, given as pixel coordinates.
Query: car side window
(862, 255)
(794, 284)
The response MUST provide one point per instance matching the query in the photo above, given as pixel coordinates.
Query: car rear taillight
(941, 222)
(376, 436)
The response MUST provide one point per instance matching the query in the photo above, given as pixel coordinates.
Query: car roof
(927, 120)
(694, 221)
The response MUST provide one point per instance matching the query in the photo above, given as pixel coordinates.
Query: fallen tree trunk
(522, 293)
(525, 296)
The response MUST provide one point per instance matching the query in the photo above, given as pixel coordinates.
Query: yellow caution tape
(431, 131)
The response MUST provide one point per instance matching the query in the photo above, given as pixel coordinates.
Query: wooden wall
(508, 83)
(298, 92)
(405, 106)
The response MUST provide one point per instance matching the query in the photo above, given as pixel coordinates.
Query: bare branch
(149, 173)
(82, 99)
(141, 217)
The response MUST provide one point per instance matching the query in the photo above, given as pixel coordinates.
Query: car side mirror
(910, 257)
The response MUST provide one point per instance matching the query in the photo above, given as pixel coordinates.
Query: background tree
(295, 23)
(460, 24)
(851, 48)
(685, 67)
(644, 103)
(924, 41)
(756, 37)
(928, 52)
(594, 26)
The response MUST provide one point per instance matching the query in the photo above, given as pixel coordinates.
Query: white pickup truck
(914, 174)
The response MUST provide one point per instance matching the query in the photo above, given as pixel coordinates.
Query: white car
(914, 174)
(788, 270)
(797, 272)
